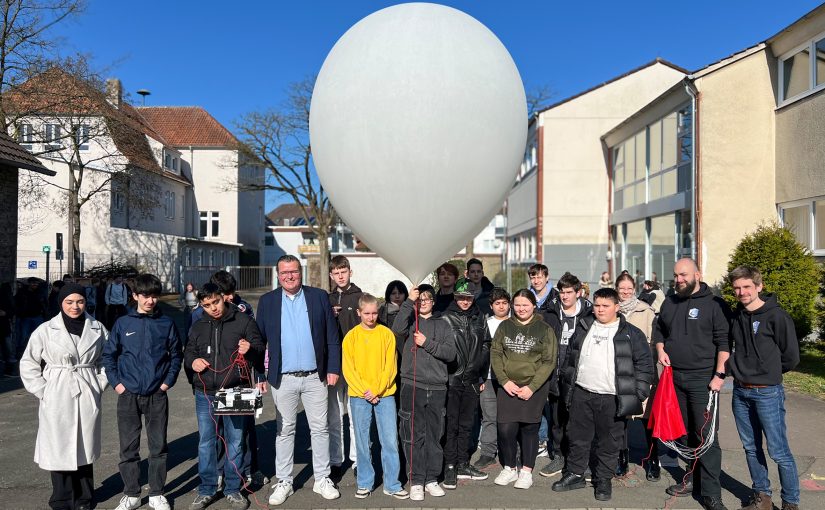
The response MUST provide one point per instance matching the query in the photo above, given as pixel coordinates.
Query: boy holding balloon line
(428, 348)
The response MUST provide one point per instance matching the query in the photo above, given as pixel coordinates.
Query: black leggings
(525, 434)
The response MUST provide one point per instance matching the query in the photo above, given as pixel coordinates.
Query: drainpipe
(693, 92)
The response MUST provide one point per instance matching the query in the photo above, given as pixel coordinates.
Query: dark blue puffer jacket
(143, 352)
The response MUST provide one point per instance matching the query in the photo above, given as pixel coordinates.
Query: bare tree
(537, 98)
(279, 139)
(68, 119)
(26, 47)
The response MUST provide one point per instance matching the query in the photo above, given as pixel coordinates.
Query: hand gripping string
(236, 360)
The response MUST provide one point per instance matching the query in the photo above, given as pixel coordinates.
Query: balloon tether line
(412, 406)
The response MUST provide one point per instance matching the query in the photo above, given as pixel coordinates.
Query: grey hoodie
(429, 372)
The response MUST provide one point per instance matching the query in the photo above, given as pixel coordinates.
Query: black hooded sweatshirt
(348, 301)
(694, 329)
(764, 343)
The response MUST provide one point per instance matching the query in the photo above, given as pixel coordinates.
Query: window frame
(812, 88)
(810, 203)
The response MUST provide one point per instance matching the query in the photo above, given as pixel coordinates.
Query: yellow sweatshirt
(369, 361)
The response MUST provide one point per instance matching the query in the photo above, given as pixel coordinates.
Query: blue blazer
(322, 324)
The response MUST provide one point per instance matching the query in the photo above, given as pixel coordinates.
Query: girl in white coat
(61, 366)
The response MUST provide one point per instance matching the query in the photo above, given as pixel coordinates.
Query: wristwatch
(720, 375)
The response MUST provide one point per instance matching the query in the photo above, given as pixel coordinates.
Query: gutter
(693, 92)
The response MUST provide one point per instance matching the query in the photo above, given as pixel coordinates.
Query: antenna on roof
(144, 93)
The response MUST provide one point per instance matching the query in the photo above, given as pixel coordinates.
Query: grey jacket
(429, 371)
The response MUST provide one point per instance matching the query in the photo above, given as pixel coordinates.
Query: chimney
(114, 92)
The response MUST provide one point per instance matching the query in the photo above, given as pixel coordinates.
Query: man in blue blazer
(301, 333)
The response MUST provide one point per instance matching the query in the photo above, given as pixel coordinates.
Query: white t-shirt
(492, 324)
(597, 361)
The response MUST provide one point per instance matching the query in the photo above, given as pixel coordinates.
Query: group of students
(421, 366)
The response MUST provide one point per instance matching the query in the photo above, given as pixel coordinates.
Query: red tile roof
(183, 126)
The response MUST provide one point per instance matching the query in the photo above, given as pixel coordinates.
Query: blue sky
(241, 58)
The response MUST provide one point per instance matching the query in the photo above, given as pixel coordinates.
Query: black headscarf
(74, 326)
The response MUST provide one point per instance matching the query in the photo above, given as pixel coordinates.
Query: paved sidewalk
(24, 486)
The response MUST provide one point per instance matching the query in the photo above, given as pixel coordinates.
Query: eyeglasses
(425, 300)
(289, 273)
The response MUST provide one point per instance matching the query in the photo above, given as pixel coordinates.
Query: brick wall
(8, 223)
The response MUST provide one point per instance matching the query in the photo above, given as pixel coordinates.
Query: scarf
(74, 326)
(629, 306)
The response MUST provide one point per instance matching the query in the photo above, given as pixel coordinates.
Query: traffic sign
(32, 264)
(47, 248)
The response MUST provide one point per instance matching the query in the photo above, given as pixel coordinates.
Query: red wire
(690, 471)
(237, 360)
(412, 407)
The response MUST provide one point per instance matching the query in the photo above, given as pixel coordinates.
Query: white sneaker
(525, 480)
(159, 503)
(507, 476)
(542, 452)
(129, 503)
(434, 490)
(417, 493)
(326, 488)
(283, 490)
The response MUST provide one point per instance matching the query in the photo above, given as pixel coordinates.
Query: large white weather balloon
(418, 124)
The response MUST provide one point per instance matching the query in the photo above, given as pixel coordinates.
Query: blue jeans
(760, 411)
(384, 410)
(233, 427)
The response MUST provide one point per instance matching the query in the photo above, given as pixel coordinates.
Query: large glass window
(635, 247)
(669, 139)
(662, 247)
(618, 247)
(820, 61)
(798, 220)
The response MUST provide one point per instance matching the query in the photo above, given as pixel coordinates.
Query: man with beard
(691, 336)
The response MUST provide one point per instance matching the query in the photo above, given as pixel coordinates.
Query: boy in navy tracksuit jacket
(143, 358)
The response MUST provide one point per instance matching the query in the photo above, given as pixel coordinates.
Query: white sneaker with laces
(128, 503)
(417, 493)
(326, 488)
(434, 490)
(159, 503)
(525, 480)
(283, 490)
(507, 476)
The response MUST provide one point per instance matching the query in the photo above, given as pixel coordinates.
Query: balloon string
(412, 406)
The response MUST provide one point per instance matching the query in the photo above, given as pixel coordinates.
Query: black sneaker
(603, 490)
(450, 477)
(202, 502)
(570, 482)
(680, 490)
(553, 467)
(709, 503)
(653, 471)
(468, 472)
(484, 461)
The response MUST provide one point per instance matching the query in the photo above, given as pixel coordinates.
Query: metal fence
(248, 277)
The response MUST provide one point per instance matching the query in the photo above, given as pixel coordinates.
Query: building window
(169, 205)
(806, 219)
(212, 258)
(52, 136)
(209, 224)
(269, 240)
(175, 164)
(25, 135)
(802, 70)
(118, 202)
(188, 256)
(200, 256)
(167, 160)
(82, 137)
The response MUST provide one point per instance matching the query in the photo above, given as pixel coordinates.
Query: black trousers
(511, 435)
(692, 393)
(72, 489)
(462, 406)
(154, 409)
(560, 417)
(594, 416)
(420, 426)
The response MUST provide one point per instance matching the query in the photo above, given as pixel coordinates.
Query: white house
(140, 205)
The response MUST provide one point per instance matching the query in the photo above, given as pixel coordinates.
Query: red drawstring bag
(665, 417)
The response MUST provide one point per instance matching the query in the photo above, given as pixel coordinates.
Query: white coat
(69, 388)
